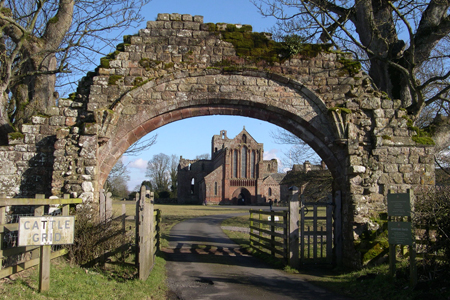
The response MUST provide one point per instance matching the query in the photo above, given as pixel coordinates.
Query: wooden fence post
(315, 232)
(260, 227)
(38, 212)
(65, 211)
(272, 234)
(44, 255)
(151, 201)
(251, 229)
(286, 236)
(293, 227)
(136, 235)
(145, 221)
(329, 230)
(124, 216)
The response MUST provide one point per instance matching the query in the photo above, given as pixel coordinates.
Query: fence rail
(270, 235)
(10, 262)
(301, 235)
(425, 236)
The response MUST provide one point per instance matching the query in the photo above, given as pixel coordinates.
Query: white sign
(36, 231)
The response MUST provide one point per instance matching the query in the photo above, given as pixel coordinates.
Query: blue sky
(192, 137)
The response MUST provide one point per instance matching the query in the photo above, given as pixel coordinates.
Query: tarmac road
(203, 263)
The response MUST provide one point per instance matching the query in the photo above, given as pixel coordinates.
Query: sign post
(45, 232)
(400, 232)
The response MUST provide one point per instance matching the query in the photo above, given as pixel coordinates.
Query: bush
(93, 238)
(432, 212)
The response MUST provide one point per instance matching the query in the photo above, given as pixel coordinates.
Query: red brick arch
(242, 101)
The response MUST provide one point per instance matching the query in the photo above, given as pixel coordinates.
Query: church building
(236, 174)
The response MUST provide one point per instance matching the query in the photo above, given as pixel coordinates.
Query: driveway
(203, 263)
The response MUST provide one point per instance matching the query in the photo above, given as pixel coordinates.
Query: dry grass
(190, 211)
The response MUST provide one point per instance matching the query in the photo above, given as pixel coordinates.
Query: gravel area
(235, 228)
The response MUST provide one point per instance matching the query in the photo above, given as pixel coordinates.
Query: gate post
(144, 229)
(294, 218)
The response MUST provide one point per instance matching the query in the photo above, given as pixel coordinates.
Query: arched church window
(244, 162)
(215, 188)
(235, 164)
(270, 192)
(244, 139)
(252, 164)
(192, 186)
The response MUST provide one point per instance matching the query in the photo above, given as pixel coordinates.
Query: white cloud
(272, 153)
(138, 164)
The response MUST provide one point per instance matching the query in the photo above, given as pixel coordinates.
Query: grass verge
(73, 282)
(114, 280)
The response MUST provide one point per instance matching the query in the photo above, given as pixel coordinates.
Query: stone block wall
(174, 69)
(53, 157)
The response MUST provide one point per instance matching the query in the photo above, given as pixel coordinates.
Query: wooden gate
(316, 232)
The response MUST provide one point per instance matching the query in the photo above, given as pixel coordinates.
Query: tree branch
(433, 26)
(58, 26)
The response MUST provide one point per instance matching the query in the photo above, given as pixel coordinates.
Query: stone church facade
(236, 174)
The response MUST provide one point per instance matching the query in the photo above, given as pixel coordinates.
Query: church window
(235, 164)
(192, 186)
(244, 162)
(252, 164)
(270, 192)
(244, 139)
(215, 188)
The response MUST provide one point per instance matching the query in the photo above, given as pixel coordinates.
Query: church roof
(249, 136)
(276, 177)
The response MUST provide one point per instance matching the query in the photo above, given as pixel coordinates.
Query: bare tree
(141, 145)
(40, 39)
(398, 42)
(158, 171)
(173, 172)
(117, 179)
(299, 151)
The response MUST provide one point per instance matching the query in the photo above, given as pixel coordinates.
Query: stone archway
(178, 67)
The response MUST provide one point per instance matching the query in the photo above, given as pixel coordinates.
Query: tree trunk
(41, 89)
(5, 125)
(376, 29)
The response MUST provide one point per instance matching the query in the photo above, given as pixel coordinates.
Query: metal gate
(316, 233)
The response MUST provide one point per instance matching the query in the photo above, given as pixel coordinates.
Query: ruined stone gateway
(179, 67)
